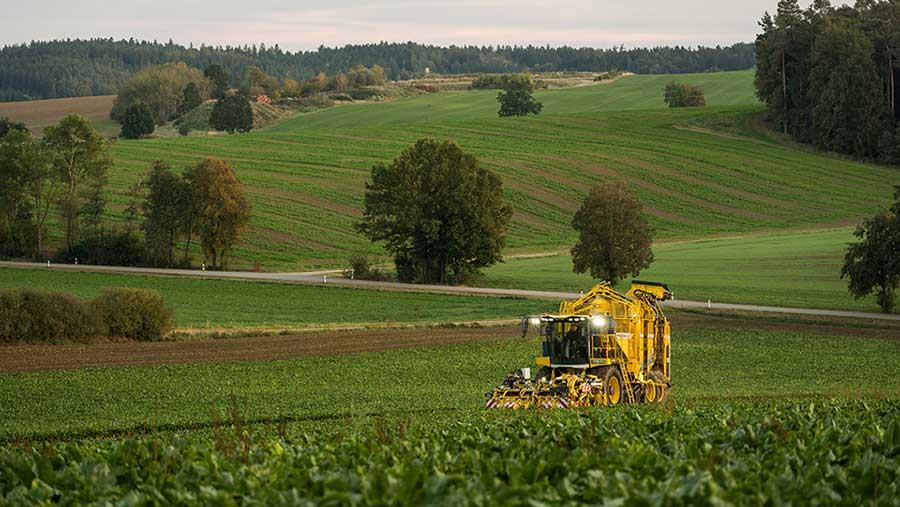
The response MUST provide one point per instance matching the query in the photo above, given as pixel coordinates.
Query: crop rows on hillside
(305, 177)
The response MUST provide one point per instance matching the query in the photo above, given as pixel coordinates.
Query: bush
(427, 88)
(361, 269)
(136, 314)
(39, 316)
(684, 95)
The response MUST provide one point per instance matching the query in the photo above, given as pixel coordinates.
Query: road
(325, 278)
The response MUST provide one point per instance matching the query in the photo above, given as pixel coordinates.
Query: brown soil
(25, 358)
(40, 113)
(29, 358)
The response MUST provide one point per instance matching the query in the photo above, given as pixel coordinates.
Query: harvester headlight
(535, 321)
(598, 321)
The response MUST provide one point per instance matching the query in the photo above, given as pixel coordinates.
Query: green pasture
(798, 269)
(239, 304)
(305, 177)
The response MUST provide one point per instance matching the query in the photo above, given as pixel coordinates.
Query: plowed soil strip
(29, 358)
(25, 358)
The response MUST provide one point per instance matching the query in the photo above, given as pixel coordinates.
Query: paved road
(325, 278)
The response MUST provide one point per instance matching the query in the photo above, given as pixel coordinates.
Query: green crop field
(780, 269)
(717, 364)
(696, 176)
(226, 303)
(408, 427)
(795, 453)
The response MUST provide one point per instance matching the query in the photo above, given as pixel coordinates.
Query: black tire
(614, 386)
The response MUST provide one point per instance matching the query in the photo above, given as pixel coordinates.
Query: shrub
(684, 95)
(427, 88)
(362, 269)
(136, 314)
(39, 316)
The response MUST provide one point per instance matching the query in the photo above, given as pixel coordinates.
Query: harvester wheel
(651, 391)
(661, 391)
(612, 384)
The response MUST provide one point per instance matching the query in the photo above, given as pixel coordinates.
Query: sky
(304, 25)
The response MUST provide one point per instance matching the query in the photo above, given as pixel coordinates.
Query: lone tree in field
(516, 98)
(873, 264)
(232, 113)
(684, 95)
(614, 240)
(138, 121)
(222, 211)
(440, 213)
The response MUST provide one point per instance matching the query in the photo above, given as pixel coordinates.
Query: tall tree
(223, 211)
(614, 239)
(80, 154)
(165, 212)
(138, 121)
(848, 110)
(872, 264)
(232, 113)
(191, 98)
(439, 212)
(16, 218)
(218, 80)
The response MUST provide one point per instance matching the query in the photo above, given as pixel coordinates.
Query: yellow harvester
(604, 348)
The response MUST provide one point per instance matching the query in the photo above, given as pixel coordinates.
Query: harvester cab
(603, 348)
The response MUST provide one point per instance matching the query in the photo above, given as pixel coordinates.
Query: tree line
(829, 75)
(71, 68)
(55, 188)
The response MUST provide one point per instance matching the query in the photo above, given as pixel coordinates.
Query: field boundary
(307, 279)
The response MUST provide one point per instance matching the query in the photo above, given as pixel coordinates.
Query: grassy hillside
(305, 177)
(782, 269)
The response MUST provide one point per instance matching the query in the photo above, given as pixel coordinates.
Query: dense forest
(70, 68)
(829, 75)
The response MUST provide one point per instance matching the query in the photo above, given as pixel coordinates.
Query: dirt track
(15, 359)
(25, 358)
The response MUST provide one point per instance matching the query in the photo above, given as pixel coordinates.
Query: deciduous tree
(218, 80)
(223, 212)
(439, 212)
(138, 121)
(873, 264)
(614, 239)
(166, 211)
(232, 113)
(79, 155)
(191, 98)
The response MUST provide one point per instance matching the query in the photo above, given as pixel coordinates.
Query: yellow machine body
(604, 348)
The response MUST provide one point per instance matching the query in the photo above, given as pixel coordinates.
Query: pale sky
(303, 25)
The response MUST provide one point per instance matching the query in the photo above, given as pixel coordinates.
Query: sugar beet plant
(800, 453)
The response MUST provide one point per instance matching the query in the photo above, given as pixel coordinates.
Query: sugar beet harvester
(604, 348)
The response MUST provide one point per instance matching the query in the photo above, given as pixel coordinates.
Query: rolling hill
(697, 173)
